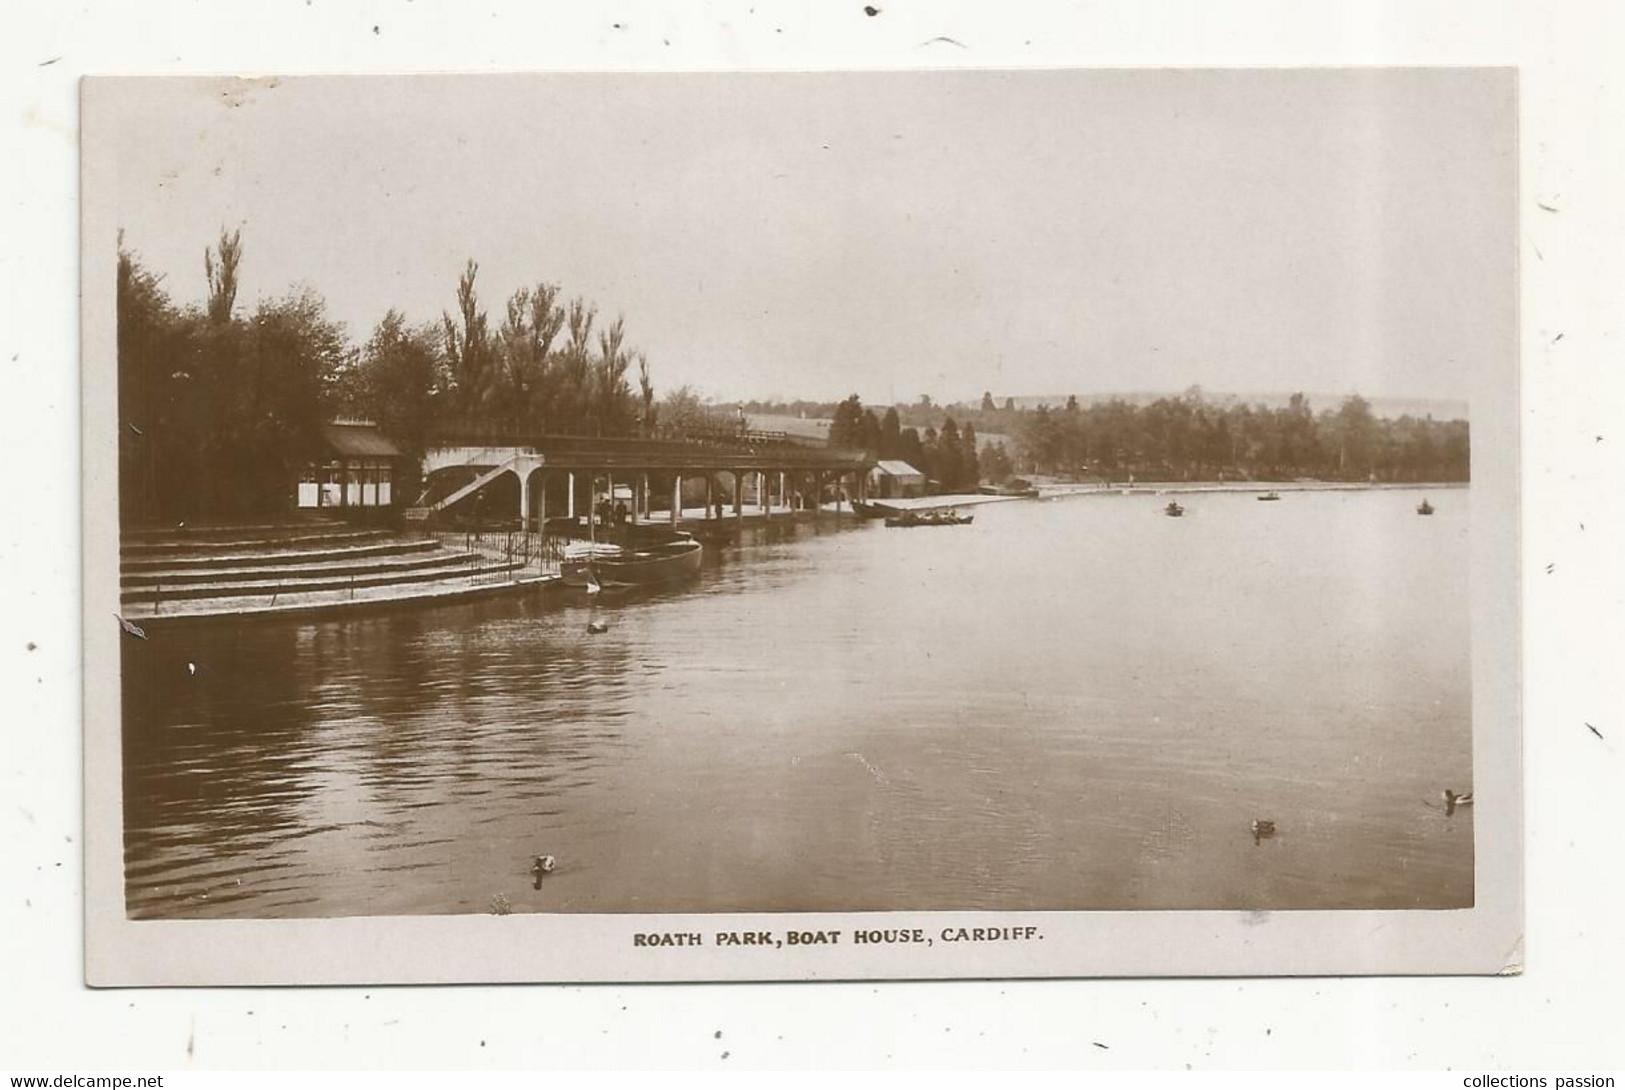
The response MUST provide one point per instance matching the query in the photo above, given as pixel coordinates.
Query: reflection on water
(1071, 704)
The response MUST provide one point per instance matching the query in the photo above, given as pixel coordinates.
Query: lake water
(1074, 704)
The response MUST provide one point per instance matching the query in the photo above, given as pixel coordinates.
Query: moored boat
(1173, 510)
(639, 566)
(1269, 496)
(873, 510)
(1424, 508)
(930, 518)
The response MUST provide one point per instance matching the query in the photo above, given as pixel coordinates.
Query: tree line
(221, 406)
(1186, 437)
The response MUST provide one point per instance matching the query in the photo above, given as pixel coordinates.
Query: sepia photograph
(884, 514)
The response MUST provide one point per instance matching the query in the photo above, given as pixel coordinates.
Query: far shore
(1143, 488)
(1057, 489)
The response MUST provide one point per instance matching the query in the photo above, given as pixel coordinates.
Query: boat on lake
(1269, 496)
(1424, 508)
(599, 564)
(930, 518)
(1173, 510)
(874, 510)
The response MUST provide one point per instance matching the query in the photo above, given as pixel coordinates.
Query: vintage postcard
(828, 525)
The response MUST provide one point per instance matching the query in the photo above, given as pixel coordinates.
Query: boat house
(357, 468)
(893, 480)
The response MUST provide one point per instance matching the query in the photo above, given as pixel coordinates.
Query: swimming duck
(1453, 800)
(543, 865)
(596, 627)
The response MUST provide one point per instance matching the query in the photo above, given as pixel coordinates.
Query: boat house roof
(353, 440)
(894, 468)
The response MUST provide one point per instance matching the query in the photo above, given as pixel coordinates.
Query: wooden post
(784, 497)
(739, 495)
(524, 500)
(570, 499)
(676, 497)
(541, 515)
(710, 498)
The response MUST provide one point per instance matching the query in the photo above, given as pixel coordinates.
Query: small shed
(891, 479)
(357, 468)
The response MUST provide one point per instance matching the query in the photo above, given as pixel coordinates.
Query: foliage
(948, 459)
(1170, 438)
(1186, 438)
(683, 409)
(846, 429)
(218, 411)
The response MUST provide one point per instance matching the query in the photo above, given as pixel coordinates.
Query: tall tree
(469, 348)
(523, 350)
(612, 401)
(575, 389)
(152, 348)
(400, 367)
(869, 434)
(950, 457)
(911, 449)
(928, 456)
(220, 267)
(890, 434)
(969, 460)
(646, 394)
(846, 429)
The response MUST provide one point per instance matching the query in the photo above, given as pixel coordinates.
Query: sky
(889, 234)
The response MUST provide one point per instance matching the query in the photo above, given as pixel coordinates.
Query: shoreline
(1055, 491)
(1048, 491)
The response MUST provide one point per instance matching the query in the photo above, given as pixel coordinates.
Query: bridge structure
(561, 476)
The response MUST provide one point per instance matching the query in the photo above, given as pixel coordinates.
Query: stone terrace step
(449, 591)
(241, 558)
(223, 531)
(170, 576)
(458, 571)
(172, 543)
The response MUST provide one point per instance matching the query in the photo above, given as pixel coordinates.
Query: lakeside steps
(310, 565)
(318, 564)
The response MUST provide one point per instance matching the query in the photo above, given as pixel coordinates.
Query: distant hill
(1390, 407)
